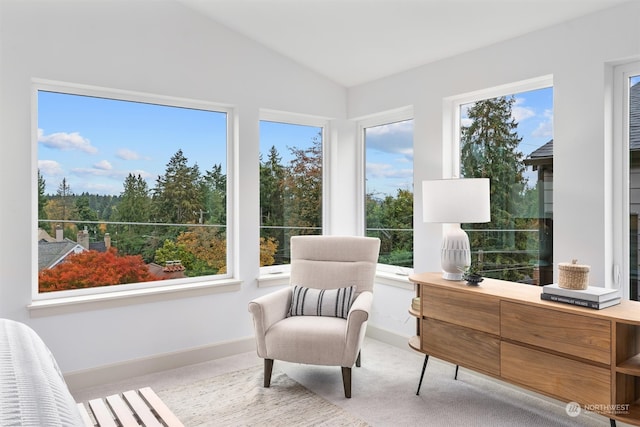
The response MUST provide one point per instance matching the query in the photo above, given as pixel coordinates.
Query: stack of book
(592, 297)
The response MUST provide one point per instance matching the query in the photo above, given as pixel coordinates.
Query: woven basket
(572, 275)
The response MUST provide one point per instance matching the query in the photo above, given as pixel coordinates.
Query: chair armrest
(267, 310)
(356, 326)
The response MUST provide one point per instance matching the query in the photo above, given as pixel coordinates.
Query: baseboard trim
(388, 337)
(86, 378)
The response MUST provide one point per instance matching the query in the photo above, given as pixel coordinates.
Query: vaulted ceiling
(356, 41)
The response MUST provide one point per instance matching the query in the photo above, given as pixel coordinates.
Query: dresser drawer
(565, 379)
(461, 307)
(573, 334)
(463, 346)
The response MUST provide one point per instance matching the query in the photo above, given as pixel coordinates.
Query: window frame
(451, 116)
(386, 272)
(274, 275)
(74, 296)
(621, 181)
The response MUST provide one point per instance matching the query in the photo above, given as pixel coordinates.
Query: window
(627, 135)
(131, 189)
(388, 151)
(291, 191)
(509, 139)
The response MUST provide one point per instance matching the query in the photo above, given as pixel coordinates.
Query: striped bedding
(32, 389)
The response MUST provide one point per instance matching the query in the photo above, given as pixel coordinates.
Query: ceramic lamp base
(456, 253)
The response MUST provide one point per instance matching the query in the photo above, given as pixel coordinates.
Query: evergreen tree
(60, 208)
(66, 199)
(135, 202)
(42, 201)
(489, 149)
(215, 196)
(272, 175)
(134, 207)
(84, 212)
(177, 197)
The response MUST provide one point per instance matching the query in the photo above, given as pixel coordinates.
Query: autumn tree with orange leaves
(91, 269)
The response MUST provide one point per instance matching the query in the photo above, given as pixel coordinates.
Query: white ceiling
(356, 41)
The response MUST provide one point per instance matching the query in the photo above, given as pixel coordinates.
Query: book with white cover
(592, 293)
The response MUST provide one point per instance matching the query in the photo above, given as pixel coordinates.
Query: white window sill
(396, 280)
(72, 304)
(267, 280)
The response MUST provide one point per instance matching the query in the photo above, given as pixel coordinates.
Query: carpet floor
(239, 399)
(229, 392)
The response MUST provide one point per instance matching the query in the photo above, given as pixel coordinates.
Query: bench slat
(141, 409)
(122, 411)
(102, 413)
(159, 406)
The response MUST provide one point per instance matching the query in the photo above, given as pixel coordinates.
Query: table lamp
(456, 201)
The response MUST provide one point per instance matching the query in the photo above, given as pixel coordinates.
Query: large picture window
(388, 151)
(131, 189)
(291, 191)
(509, 139)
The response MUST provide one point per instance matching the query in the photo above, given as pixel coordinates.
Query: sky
(95, 143)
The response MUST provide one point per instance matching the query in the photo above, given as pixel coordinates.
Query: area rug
(239, 399)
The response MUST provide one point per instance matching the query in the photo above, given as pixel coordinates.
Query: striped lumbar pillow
(321, 302)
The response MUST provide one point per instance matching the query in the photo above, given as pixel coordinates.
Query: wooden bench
(132, 408)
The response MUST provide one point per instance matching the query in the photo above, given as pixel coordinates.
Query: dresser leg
(424, 366)
(455, 377)
(612, 422)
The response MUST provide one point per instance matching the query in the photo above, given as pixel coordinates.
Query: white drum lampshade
(456, 201)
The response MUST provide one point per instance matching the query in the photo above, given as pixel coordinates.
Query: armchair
(319, 263)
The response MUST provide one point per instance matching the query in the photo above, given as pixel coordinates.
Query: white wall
(157, 47)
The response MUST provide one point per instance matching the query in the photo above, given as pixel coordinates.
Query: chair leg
(268, 367)
(346, 380)
(358, 362)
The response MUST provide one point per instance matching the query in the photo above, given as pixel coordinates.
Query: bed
(32, 389)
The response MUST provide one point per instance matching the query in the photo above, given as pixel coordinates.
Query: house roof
(51, 253)
(541, 156)
(43, 235)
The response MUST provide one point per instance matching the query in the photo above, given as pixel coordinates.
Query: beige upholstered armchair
(313, 321)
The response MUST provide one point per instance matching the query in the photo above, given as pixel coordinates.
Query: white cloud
(126, 154)
(387, 171)
(119, 175)
(520, 112)
(104, 165)
(394, 138)
(66, 141)
(545, 128)
(50, 168)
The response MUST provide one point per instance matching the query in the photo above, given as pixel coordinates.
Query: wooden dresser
(503, 329)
